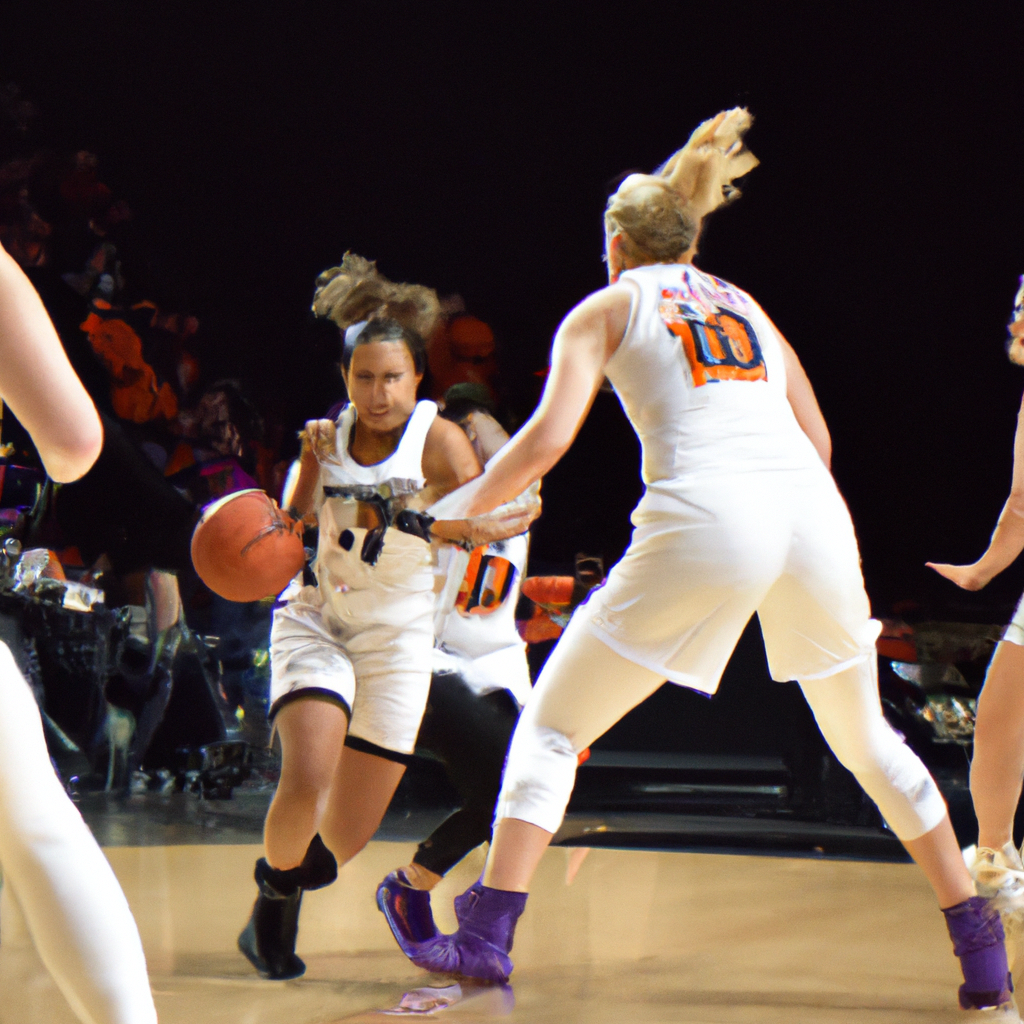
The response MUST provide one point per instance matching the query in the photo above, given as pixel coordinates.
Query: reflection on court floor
(640, 936)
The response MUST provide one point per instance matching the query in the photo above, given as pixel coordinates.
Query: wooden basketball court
(640, 936)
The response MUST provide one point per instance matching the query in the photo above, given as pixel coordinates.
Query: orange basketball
(245, 548)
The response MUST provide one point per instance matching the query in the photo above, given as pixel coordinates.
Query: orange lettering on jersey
(719, 346)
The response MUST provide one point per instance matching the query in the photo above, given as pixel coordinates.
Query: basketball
(245, 548)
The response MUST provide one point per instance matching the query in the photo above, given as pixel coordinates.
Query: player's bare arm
(805, 405)
(449, 460)
(1008, 537)
(38, 383)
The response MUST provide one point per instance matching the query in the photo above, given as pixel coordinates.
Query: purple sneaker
(407, 912)
(978, 940)
(479, 949)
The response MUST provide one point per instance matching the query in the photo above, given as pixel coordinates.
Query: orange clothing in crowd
(462, 351)
(135, 392)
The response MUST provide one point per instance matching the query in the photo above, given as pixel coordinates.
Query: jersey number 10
(722, 347)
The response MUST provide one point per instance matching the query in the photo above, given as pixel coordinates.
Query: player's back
(701, 375)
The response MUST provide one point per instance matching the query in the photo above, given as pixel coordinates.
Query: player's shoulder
(447, 442)
(611, 305)
(442, 431)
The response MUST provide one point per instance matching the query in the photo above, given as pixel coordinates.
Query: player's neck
(369, 447)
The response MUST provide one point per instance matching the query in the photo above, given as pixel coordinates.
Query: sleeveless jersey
(701, 376)
(353, 590)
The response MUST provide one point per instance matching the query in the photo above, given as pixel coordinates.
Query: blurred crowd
(175, 440)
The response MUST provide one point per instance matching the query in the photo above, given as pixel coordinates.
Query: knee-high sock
(75, 910)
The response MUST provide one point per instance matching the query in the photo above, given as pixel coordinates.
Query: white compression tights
(74, 907)
(586, 688)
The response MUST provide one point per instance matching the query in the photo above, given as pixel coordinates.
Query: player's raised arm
(38, 383)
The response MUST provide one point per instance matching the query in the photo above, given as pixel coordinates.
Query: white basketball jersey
(404, 466)
(701, 376)
(354, 590)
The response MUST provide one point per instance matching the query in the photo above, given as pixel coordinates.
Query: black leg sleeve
(469, 734)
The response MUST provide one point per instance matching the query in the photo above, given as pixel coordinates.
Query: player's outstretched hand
(967, 577)
(320, 438)
(506, 521)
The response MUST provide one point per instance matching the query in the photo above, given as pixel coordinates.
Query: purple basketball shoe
(479, 949)
(407, 912)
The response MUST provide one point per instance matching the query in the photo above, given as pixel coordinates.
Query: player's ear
(613, 255)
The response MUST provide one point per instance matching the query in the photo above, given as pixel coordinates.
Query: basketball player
(77, 915)
(351, 656)
(480, 682)
(740, 515)
(998, 763)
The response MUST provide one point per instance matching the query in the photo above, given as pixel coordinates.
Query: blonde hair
(355, 291)
(659, 215)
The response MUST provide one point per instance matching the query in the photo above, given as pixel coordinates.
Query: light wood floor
(643, 937)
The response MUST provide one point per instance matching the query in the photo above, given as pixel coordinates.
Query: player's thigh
(312, 734)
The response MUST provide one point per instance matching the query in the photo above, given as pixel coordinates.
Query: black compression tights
(469, 734)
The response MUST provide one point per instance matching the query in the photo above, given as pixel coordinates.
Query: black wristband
(417, 524)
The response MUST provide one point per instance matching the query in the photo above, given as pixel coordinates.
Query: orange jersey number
(486, 584)
(722, 347)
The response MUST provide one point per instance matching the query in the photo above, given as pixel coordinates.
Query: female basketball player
(480, 682)
(351, 657)
(76, 912)
(998, 763)
(740, 515)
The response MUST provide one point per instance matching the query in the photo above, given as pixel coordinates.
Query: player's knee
(539, 777)
(894, 777)
(341, 842)
(304, 783)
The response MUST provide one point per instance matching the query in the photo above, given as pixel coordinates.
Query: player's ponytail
(355, 291)
(660, 214)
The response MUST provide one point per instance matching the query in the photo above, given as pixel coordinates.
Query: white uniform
(1014, 632)
(79, 919)
(739, 515)
(475, 622)
(363, 637)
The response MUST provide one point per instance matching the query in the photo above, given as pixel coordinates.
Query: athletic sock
(978, 940)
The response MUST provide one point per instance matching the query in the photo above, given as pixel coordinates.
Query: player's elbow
(71, 458)
(1015, 503)
(554, 439)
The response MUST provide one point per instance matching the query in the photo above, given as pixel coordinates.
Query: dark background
(471, 148)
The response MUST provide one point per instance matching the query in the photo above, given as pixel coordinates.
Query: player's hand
(967, 577)
(320, 438)
(480, 530)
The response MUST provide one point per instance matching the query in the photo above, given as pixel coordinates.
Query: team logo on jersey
(486, 584)
(720, 344)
